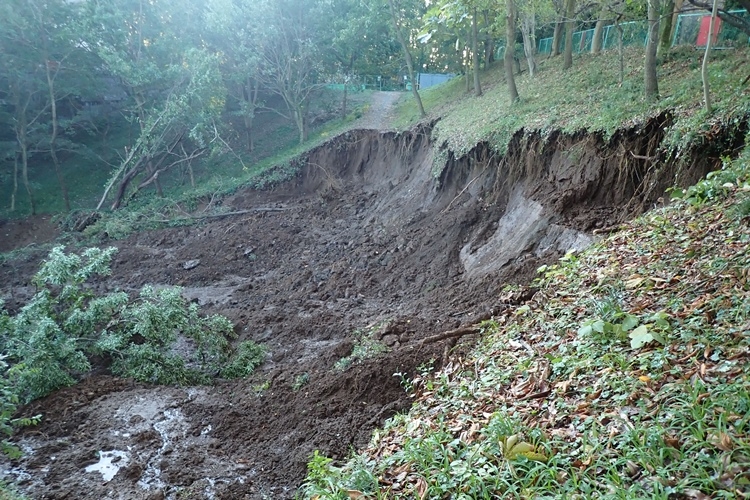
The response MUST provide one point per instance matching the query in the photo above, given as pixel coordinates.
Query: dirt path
(380, 114)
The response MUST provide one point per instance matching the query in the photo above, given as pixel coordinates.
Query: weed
(365, 347)
(300, 381)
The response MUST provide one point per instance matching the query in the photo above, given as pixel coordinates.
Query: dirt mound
(365, 238)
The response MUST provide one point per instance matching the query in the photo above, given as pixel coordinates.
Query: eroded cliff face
(548, 195)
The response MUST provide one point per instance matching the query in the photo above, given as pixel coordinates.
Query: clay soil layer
(370, 236)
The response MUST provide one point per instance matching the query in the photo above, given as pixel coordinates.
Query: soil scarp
(368, 240)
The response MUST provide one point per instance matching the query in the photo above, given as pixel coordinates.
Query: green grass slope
(587, 97)
(626, 376)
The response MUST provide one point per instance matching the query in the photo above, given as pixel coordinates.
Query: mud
(366, 236)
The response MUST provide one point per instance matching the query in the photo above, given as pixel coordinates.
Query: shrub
(156, 338)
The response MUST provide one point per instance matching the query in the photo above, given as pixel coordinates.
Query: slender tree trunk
(53, 136)
(343, 104)
(510, 36)
(556, 38)
(15, 183)
(649, 74)
(596, 43)
(675, 13)
(489, 42)
(665, 40)
(620, 50)
(475, 53)
(467, 64)
(25, 171)
(249, 92)
(704, 67)
(489, 51)
(407, 56)
(528, 27)
(570, 12)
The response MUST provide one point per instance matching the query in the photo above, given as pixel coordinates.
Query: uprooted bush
(157, 337)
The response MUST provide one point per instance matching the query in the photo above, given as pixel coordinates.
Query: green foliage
(365, 347)
(156, 338)
(300, 381)
(718, 184)
(8, 406)
(247, 357)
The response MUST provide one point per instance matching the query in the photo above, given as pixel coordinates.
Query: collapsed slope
(369, 236)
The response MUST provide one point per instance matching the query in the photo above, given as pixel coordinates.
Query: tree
(704, 67)
(175, 91)
(651, 85)
(570, 12)
(398, 19)
(23, 88)
(228, 30)
(510, 36)
(290, 56)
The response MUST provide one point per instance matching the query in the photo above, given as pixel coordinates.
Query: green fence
(688, 26)
(636, 33)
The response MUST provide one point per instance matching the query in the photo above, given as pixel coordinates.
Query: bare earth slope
(365, 236)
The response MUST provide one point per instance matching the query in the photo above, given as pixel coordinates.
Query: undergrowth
(627, 375)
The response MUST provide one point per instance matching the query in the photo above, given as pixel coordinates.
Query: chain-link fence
(690, 29)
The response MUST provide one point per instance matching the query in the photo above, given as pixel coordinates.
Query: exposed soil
(365, 236)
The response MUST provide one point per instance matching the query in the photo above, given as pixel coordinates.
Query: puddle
(110, 463)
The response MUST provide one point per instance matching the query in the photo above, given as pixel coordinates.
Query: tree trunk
(510, 36)
(570, 12)
(665, 40)
(675, 13)
(489, 41)
(528, 27)
(250, 96)
(620, 50)
(475, 53)
(704, 67)
(53, 136)
(649, 74)
(489, 51)
(25, 172)
(556, 38)
(596, 43)
(467, 64)
(15, 183)
(407, 56)
(343, 104)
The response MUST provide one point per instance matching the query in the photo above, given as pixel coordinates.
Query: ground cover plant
(627, 375)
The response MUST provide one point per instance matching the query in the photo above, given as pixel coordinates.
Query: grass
(567, 396)
(587, 97)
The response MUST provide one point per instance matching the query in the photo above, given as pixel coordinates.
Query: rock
(191, 264)
(390, 340)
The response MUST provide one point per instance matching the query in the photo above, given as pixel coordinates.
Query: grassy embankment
(628, 373)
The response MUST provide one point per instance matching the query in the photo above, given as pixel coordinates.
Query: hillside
(417, 252)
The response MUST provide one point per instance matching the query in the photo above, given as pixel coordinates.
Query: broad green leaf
(629, 322)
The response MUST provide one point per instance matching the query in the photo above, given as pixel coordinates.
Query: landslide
(373, 234)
